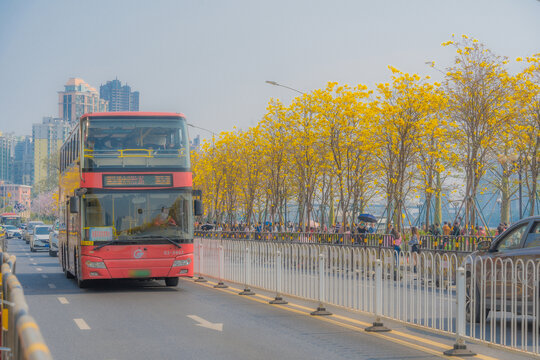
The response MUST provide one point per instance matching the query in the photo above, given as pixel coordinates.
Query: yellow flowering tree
(344, 116)
(403, 110)
(478, 88)
(528, 143)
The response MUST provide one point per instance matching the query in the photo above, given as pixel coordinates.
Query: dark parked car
(504, 272)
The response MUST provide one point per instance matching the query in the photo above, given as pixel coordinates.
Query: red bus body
(125, 199)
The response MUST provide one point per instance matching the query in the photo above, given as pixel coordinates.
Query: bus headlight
(185, 262)
(96, 264)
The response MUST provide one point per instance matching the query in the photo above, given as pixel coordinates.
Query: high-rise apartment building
(47, 137)
(120, 97)
(195, 143)
(23, 162)
(7, 143)
(16, 159)
(79, 98)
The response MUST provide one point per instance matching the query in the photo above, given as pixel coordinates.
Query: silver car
(40, 238)
(30, 230)
(53, 242)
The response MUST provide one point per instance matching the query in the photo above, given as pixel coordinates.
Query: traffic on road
(141, 319)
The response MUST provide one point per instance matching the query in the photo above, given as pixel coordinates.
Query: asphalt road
(146, 320)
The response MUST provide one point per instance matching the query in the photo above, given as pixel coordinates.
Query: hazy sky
(210, 59)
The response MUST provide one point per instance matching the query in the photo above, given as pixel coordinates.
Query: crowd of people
(448, 228)
(358, 233)
(290, 227)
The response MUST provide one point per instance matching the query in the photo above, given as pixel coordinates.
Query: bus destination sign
(141, 180)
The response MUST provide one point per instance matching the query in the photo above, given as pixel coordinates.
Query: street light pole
(520, 192)
(284, 86)
(300, 92)
(201, 128)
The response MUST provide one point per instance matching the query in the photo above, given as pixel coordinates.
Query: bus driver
(164, 218)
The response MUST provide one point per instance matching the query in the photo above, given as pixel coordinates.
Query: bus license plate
(139, 273)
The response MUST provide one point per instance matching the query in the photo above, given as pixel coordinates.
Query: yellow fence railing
(21, 337)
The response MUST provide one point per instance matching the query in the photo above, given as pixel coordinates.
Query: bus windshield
(135, 143)
(128, 215)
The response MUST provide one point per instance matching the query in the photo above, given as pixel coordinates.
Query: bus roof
(132, 114)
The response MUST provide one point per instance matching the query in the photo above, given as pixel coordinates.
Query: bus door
(67, 226)
(71, 229)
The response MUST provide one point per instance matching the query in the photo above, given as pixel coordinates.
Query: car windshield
(42, 230)
(10, 227)
(32, 225)
(135, 143)
(154, 215)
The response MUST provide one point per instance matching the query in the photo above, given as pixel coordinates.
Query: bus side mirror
(74, 204)
(197, 207)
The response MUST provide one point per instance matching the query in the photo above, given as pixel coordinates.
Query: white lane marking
(44, 276)
(205, 323)
(31, 259)
(81, 324)
(39, 269)
(52, 286)
(63, 300)
(34, 263)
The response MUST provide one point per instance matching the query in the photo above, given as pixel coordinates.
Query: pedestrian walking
(397, 242)
(414, 244)
(396, 235)
(362, 231)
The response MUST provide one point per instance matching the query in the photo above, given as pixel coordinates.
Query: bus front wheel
(171, 281)
(80, 282)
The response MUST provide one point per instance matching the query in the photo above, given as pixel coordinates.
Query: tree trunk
(438, 200)
(505, 197)
(428, 210)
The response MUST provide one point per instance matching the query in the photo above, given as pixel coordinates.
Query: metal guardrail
(503, 301)
(430, 289)
(446, 243)
(21, 337)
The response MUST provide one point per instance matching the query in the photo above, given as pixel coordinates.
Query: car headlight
(185, 262)
(96, 264)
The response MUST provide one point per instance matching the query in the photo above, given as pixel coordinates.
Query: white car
(13, 231)
(40, 238)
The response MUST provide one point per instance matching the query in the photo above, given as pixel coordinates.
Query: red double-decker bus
(126, 200)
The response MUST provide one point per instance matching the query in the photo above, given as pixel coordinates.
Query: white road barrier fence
(501, 297)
